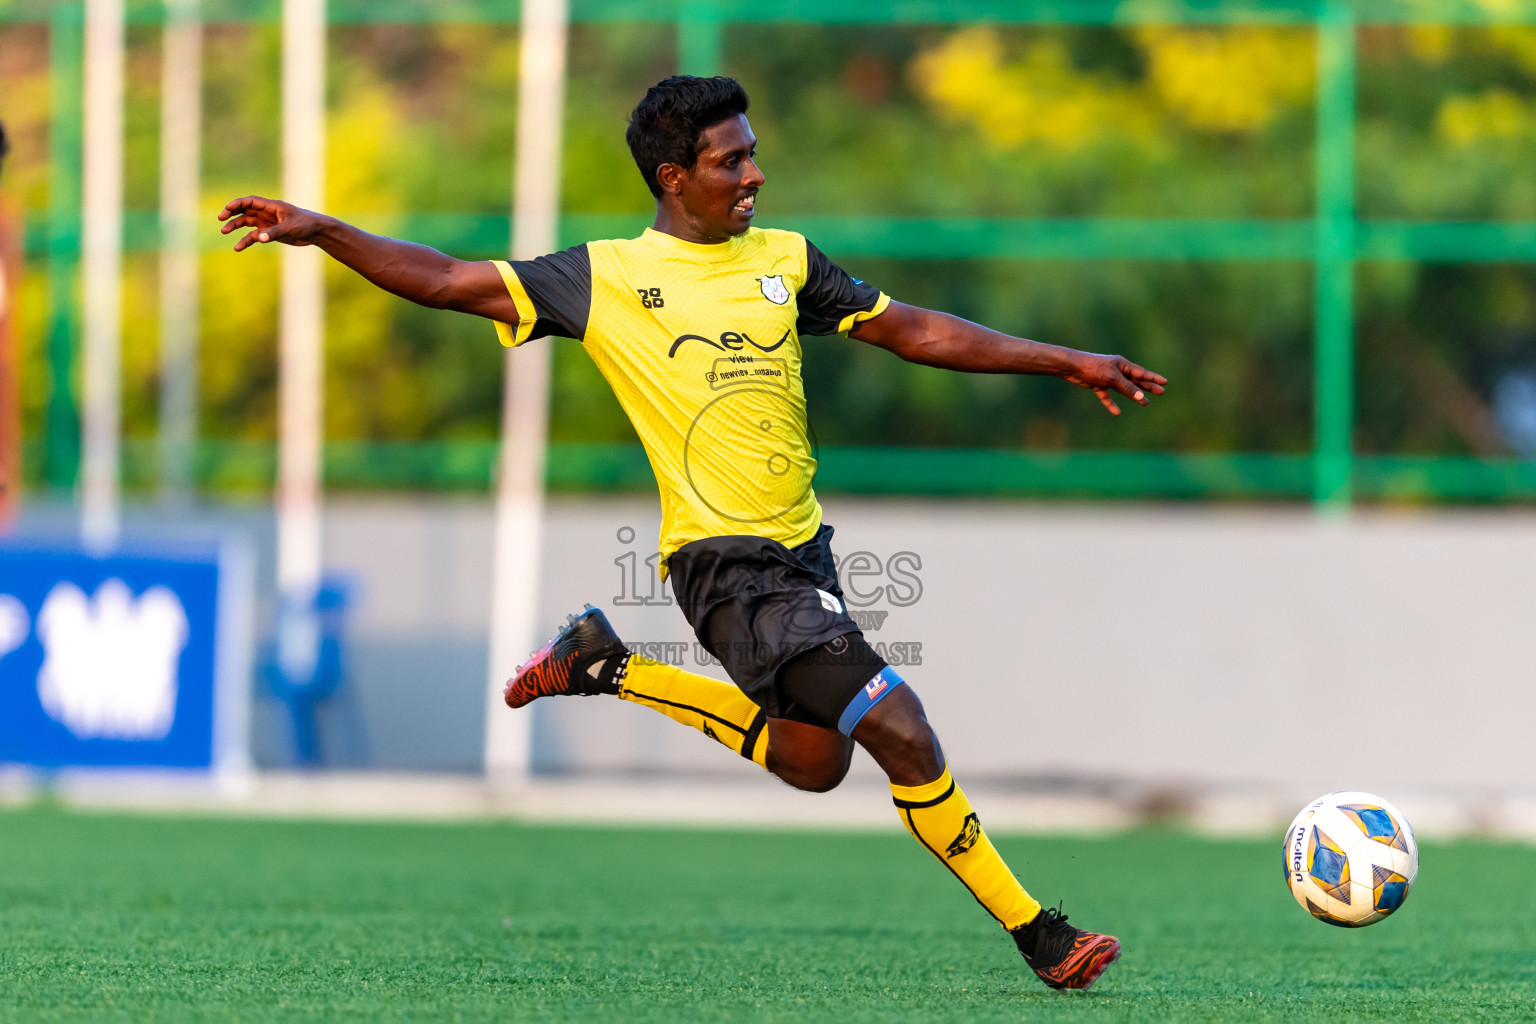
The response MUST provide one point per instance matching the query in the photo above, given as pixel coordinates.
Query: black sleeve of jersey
(830, 295)
(560, 286)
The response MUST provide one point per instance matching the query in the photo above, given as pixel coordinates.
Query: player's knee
(897, 729)
(902, 740)
(811, 777)
(823, 782)
(811, 774)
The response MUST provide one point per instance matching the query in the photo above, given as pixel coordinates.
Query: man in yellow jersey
(696, 326)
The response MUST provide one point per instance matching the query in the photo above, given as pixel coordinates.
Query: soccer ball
(1350, 858)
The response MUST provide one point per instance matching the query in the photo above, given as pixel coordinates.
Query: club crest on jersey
(773, 289)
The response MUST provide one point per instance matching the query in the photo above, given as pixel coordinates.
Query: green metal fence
(1333, 240)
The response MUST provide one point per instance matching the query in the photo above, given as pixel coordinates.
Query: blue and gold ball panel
(1389, 889)
(1327, 918)
(1328, 865)
(1377, 823)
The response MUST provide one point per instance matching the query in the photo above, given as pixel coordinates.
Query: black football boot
(585, 658)
(1064, 956)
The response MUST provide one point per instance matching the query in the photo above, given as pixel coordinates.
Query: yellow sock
(718, 710)
(940, 817)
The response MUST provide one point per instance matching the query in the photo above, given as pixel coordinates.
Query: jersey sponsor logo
(730, 341)
(732, 370)
(651, 298)
(970, 831)
(773, 289)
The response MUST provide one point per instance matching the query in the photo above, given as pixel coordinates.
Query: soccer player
(696, 325)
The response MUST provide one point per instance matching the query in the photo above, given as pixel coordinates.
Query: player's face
(719, 192)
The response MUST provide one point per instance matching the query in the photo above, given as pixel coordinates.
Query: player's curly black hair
(665, 127)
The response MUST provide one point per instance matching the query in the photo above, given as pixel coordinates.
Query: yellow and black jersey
(701, 345)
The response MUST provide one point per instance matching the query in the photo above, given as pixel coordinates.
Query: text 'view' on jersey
(701, 345)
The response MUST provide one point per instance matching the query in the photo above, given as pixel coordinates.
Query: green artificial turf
(155, 919)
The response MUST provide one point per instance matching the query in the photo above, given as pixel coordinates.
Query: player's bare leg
(897, 735)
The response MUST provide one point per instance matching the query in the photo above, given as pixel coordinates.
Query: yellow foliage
(490, 55)
(1430, 44)
(362, 135)
(359, 329)
(140, 351)
(29, 298)
(1492, 114)
(1039, 98)
(1232, 79)
(1226, 80)
(1518, 41)
(238, 360)
(1436, 44)
(1502, 8)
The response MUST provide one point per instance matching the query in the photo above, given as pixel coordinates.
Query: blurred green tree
(878, 121)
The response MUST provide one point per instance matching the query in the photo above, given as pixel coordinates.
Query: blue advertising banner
(123, 661)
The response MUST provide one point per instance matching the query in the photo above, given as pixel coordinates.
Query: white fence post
(302, 323)
(102, 273)
(525, 395)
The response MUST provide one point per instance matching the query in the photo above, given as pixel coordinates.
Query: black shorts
(776, 619)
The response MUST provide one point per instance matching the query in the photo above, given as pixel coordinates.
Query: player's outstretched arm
(416, 272)
(939, 339)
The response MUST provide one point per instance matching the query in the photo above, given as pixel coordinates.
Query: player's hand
(270, 220)
(1104, 375)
